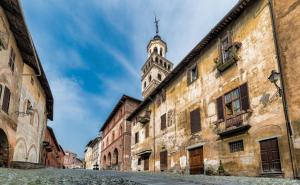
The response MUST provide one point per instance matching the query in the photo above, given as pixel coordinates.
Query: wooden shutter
(163, 122)
(220, 108)
(147, 131)
(195, 120)
(244, 97)
(6, 100)
(163, 160)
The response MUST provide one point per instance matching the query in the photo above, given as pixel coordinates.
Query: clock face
(4, 37)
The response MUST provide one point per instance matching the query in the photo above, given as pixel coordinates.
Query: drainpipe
(284, 101)
(153, 131)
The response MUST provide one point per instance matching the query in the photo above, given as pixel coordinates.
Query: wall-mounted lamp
(274, 77)
(29, 111)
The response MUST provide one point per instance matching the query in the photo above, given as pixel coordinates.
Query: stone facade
(116, 136)
(71, 161)
(25, 96)
(92, 155)
(217, 112)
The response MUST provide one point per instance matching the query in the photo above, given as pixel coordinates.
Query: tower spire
(156, 25)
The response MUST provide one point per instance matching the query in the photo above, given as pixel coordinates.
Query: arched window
(156, 60)
(115, 157)
(169, 67)
(150, 78)
(121, 130)
(109, 159)
(145, 84)
(155, 50)
(160, 52)
(159, 76)
(160, 62)
(165, 65)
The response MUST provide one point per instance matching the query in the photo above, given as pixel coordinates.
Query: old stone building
(91, 154)
(116, 136)
(220, 110)
(26, 99)
(52, 153)
(71, 161)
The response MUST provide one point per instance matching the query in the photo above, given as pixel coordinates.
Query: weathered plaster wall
(31, 128)
(257, 58)
(287, 15)
(12, 80)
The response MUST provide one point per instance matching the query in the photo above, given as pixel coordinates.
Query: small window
(163, 122)
(165, 65)
(156, 60)
(159, 77)
(232, 102)
(12, 57)
(145, 84)
(113, 135)
(192, 74)
(155, 50)
(6, 100)
(136, 137)
(224, 48)
(160, 52)
(169, 67)
(150, 78)
(121, 130)
(160, 62)
(139, 161)
(236, 146)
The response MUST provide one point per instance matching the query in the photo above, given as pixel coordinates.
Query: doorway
(4, 155)
(270, 156)
(196, 161)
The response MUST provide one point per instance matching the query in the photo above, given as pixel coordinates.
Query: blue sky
(92, 52)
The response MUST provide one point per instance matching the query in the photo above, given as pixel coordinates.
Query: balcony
(232, 58)
(144, 119)
(234, 125)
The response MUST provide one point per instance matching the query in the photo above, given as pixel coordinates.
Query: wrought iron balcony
(232, 58)
(235, 124)
(145, 119)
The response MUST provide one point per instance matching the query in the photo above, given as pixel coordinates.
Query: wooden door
(163, 160)
(270, 157)
(146, 163)
(196, 161)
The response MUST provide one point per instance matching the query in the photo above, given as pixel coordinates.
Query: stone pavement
(86, 177)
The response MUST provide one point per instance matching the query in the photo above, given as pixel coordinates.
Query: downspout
(284, 102)
(153, 132)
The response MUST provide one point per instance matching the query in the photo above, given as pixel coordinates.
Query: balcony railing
(234, 124)
(145, 119)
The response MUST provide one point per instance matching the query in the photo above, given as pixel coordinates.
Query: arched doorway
(4, 155)
(116, 156)
(109, 159)
(104, 161)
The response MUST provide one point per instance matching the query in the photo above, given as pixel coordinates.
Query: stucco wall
(256, 60)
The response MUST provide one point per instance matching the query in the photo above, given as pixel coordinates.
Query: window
(159, 77)
(147, 131)
(145, 84)
(32, 81)
(113, 135)
(163, 160)
(6, 100)
(12, 57)
(136, 137)
(224, 48)
(169, 67)
(195, 121)
(163, 122)
(192, 74)
(150, 78)
(234, 102)
(160, 52)
(165, 65)
(121, 130)
(156, 60)
(236, 146)
(155, 50)
(139, 161)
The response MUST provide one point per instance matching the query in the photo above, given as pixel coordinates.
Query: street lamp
(274, 77)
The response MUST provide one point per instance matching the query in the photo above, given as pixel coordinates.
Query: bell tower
(156, 67)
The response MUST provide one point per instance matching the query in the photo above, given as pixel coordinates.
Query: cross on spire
(156, 25)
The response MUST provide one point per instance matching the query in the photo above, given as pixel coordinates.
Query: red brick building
(116, 141)
(52, 154)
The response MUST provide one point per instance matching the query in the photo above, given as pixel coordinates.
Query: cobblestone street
(86, 177)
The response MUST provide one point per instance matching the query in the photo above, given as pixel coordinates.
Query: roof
(53, 136)
(92, 142)
(62, 150)
(17, 24)
(116, 108)
(233, 14)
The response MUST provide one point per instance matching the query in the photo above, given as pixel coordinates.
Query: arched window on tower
(155, 50)
(165, 65)
(156, 59)
(160, 52)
